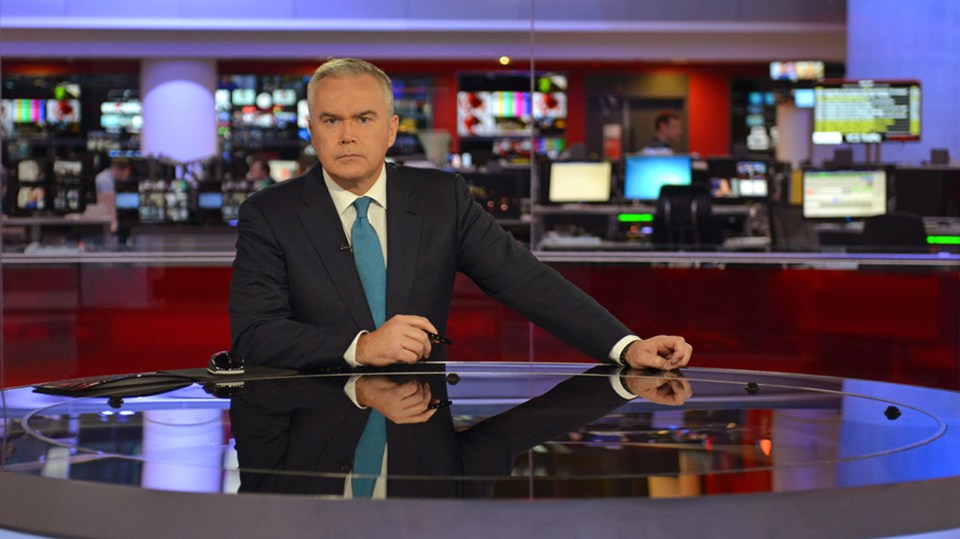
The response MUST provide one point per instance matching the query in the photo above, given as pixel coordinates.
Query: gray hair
(350, 67)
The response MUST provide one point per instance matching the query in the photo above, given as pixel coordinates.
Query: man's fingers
(650, 359)
(418, 322)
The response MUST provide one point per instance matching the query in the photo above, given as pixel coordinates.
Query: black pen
(439, 404)
(438, 339)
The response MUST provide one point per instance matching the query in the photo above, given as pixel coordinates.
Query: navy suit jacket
(296, 297)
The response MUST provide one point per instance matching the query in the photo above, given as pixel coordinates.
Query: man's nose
(347, 135)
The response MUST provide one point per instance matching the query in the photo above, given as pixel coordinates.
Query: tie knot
(362, 204)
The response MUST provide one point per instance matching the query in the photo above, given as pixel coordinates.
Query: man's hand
(667, 388)
(402, 339)
(664, 352)
(403, 404)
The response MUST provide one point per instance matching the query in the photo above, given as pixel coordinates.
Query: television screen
(116, 116)
(210, 201)
(63, 111)
(486, 114)
(928, 191)
(285, 97)
(221, 100)
(32, 197)
(799, 70)
(31, 170)
(28, 111)
(580, 182)
(804, 98)
(244, 97)
(746, 180)
(67, 169)
(68, 198)
(254, 117)
(844, 194)
(303, 114)
(281, 170)
(502, 104)
(645, 175)
(128, 201)
(866, 111)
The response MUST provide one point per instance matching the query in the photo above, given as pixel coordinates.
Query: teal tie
(368, 256)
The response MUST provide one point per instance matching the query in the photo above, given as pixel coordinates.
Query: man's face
(671, 131)
(351, 129)
(120, 172)
(256, 171)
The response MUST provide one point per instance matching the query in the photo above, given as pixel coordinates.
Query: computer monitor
(866, 111)
(127, 201)
(579, 182)
(210, 201)
(928, 191)
(32, 170)
(645, 175)
(734, 180)
(844, 193)
(32, 197)
(282, 170)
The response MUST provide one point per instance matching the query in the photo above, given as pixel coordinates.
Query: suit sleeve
(262, 325)
(491, 446)
(510, 274)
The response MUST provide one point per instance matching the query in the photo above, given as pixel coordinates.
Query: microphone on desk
(344, 246)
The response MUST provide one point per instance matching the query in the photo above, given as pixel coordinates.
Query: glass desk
(535, 447)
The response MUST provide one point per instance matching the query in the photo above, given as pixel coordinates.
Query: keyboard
(117, 385)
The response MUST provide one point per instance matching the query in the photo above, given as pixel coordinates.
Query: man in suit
(297, 296)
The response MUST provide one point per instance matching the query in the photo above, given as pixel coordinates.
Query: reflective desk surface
(509, 432)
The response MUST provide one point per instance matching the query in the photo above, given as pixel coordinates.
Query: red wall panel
(66, 321)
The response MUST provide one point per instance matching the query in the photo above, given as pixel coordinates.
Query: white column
(179, 120)
(794, 127)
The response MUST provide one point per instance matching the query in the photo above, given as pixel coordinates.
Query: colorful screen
(856, 112)
(580, 182)
(645, 175)
(844, 193)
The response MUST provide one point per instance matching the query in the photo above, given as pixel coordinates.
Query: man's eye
(363, 120)
(329, 121)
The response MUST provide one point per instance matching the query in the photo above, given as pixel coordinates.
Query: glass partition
(549, 112)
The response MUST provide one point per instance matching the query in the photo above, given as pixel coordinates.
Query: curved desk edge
(81, 509)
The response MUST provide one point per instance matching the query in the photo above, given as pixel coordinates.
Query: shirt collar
(343, 199)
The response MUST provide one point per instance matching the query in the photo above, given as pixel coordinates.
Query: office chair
(789, 231)
(899, 232)
(685, 217)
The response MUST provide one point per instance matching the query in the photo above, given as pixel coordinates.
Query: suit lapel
(403, 238)
(322, 225)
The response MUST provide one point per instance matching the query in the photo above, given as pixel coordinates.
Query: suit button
(346, 467)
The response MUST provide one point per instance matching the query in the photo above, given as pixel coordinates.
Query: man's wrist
(352, 353)
(617, 353)
(623, 353)
(621, 385)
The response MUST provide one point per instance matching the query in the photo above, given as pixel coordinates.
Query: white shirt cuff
(350, 389)
(616, 382)
(619, 347)
(350, 356)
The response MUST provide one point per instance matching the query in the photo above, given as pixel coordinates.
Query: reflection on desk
(579, 430)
